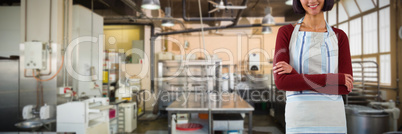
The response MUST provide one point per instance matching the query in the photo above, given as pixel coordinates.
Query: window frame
(360, 15)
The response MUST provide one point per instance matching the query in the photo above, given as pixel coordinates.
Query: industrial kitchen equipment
(366, 83)
(81, 117)
(177, 77)
(127, 117)
(366, 120)
(366, 112)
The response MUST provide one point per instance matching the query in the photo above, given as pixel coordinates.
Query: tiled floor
(262, 124)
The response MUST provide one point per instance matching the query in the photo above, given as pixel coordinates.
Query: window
(385, 69)
(385, 30)
(370, 33)
(351, 7)
(385, 47)
(368, 29)
(332, 19)
(343, 16)
(344, 27)
(383, 3)
(365, 5)
(355, 37)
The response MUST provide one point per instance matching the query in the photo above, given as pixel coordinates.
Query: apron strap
(329, 29)
(300, 21)
(296, 29)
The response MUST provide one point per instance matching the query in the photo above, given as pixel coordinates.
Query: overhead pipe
(204, 18)
(175, 20)
(133, 6)
(239, 13)
(153, 38)
(143, 24)
(216, 28)
(396, 53)
(134, 19)
(104, 3)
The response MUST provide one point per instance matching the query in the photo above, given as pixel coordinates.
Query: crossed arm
(287, 78)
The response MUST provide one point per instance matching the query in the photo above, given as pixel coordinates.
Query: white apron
(309, 111)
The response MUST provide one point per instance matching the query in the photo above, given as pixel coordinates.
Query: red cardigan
(323, 83)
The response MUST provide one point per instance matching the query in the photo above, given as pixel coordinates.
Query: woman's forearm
(323, 83)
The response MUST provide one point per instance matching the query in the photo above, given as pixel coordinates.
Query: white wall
(10, 30)
(82, 59)
(38, 19)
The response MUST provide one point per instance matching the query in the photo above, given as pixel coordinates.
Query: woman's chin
(314, 13)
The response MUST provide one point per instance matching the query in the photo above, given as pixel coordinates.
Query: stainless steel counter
(198, 103)
(194, 102)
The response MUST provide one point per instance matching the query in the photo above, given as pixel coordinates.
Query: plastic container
(226, 80)
(233, 132)
(112, 113)
(188, 126)
(105, 76)
(203, 116)
(112, 77)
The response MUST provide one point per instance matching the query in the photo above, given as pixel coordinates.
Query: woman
(306, 67)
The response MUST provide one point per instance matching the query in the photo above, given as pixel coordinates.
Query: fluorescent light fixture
(150, 4)
(266, 30)
(268, 19)
(289, 2)
(168, 22)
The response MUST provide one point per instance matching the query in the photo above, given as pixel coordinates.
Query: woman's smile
(312, 7)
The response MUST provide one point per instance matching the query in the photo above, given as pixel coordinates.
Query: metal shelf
(363, 97)
(365, 81)
(97, 109)
(365, 72)
(365, 76)
(192, 76)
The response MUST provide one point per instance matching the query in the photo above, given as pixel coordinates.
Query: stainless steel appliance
(9, 93)
(366, 120)
(176, 77)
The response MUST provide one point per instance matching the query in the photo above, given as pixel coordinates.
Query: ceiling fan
(222, 6)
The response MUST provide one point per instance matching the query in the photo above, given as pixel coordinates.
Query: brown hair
(298, 8)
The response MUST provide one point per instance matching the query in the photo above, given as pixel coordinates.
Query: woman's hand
(349, 82)
(282, 68)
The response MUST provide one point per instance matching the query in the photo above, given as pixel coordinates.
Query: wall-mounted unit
(254, 62)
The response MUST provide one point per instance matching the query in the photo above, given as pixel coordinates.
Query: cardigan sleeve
(344, 57)
(323, 83)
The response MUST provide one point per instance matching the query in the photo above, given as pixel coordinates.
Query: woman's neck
(314, 22)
